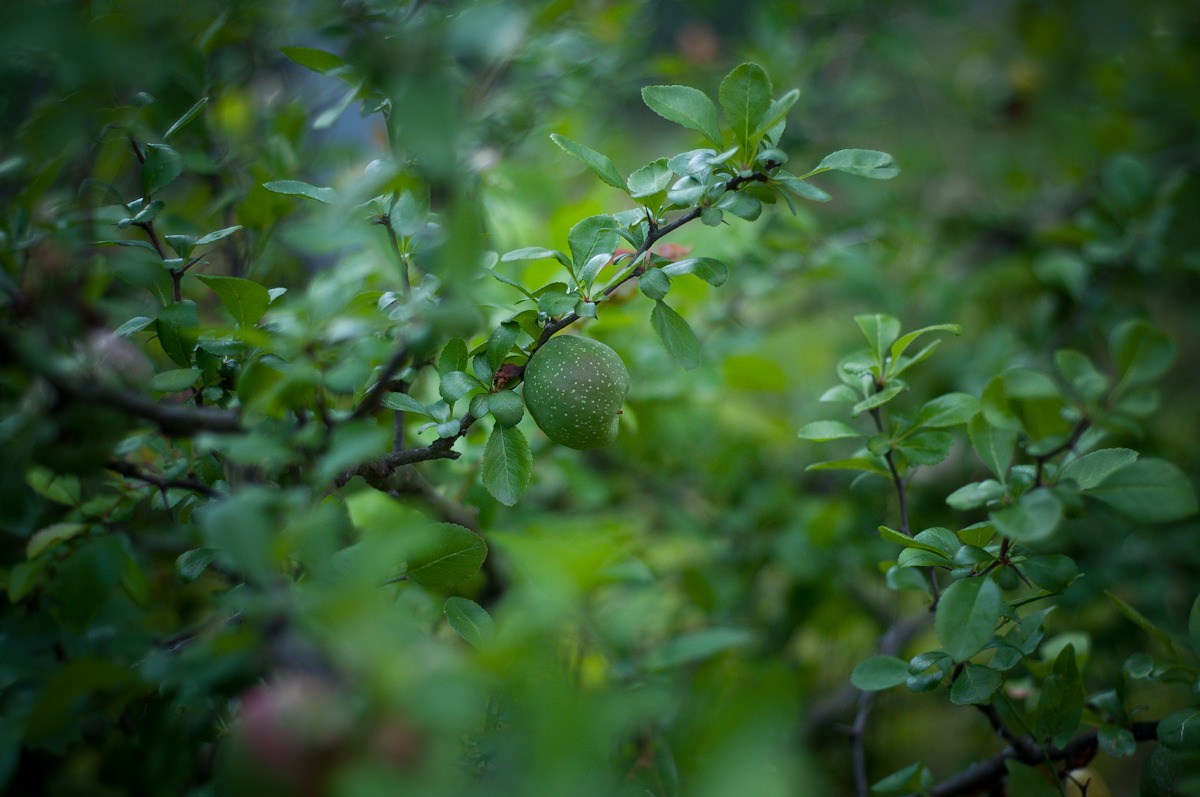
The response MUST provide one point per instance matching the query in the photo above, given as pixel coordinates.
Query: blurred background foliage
(677, 613)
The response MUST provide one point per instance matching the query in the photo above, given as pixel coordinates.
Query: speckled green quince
(574, 388)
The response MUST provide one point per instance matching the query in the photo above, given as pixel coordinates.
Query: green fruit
(1171, 773)
(574, 388)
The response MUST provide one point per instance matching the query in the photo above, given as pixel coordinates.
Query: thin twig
(173, 419)
(131, 471)
(374, 396)
(981, 777)
(405, 281)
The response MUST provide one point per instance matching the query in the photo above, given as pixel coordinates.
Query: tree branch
(162, 483)
(371, 401)
(981, 777)
(173, 419)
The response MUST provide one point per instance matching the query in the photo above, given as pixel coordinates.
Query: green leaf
(44, 539)
(777, 112)
(590, 270)
(1149, 491)
(297, 188)
(456, 384)
(878, 673)
(878, 399)
(148, 213)
(975, 685)
(174, 381)
(217, 235)
(314, 59)
(975, 494)
(912, 778)
(655, 284)
(966, 616)
(23, 578)
(653, 178)
(470, 621)
(926, 447)
(245, 299)
(1091, 469)
(801, 189)
(902, 343)
(534, 253)
(1034, 517)
(130, 243)
(823, 431)
(880, 331)
(712, 271)
(1060, 704)
(182, 244)
(994, 446)
(853, 463)
(445, 555)
(1181, 730)
(600, 164)
(593, 236)
(61, 489)
(507, 464)
(1027, 781)
(697, 646)
(161, 167)
(190, 564)
(861, 162)
(1142, 352)
(1117, 742)
(479, 405)
(843, 394)
(506, 407)
(500, 343)
(685, 106)
(453, 357)
(675, 335)
(1052, 572)
(1084, 377)
(745, 96)
(136, 324)
(556, 303)
(1142, 621)
(951, 409)
(402, 402)
(176, 327)
(740, 204)
(188, 115)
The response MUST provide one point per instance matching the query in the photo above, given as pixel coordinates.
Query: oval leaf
(966, 616)
(685, 106)
(879, 672)
(470, 620)
(823, 431)
(711, 270)
(600, 164)
(445, 555)
(507, 464)
(1150, 490)
(245, 299)
(302, 189)
(676, 335)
